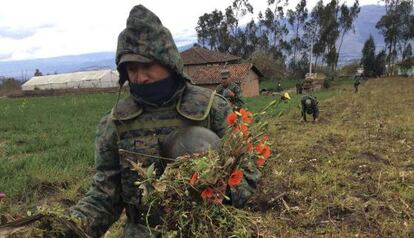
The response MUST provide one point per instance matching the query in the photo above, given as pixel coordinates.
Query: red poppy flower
(231, 118)
(265, 138)
(194, 179)
(235, 177)
(246, 116)
(266, 151)
(260, 162)
(245, 130)
(259, 148)
(207, 193)
(263, 150)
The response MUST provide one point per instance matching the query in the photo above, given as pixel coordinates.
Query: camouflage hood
(145, 35)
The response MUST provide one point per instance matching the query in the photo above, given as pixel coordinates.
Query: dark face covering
(158, 92)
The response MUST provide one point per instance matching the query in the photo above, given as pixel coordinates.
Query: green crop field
(349, 175)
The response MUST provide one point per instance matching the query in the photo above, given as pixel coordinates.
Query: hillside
(349, 175)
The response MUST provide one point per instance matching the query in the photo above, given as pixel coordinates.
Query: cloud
(18, 33)
(181, 40)
(33, 50)
(5, 56)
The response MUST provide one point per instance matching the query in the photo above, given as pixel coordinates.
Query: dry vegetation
(352, 174)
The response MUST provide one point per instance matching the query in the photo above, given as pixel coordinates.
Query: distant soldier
(356, 84)
(360, 73)
(230, 90)
(309, 106)
(299, 87)
(279, 87)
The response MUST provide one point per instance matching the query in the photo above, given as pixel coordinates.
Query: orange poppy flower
(266, 151)
(245, 130)
(194, 179)
(246, 116)
(260, 162)
(231, 118)
(263, 150)
(207, 193)
(235, 177)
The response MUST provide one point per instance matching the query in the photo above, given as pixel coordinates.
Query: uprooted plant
(193, 194)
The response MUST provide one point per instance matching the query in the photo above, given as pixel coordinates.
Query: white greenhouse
(81, 80)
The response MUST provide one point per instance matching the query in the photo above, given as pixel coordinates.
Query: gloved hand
(228, 93)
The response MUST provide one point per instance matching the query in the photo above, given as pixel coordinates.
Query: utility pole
(310, 61)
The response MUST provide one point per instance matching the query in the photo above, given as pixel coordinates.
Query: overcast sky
(45, 28)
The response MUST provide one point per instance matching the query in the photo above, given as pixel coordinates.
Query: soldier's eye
(132, 66)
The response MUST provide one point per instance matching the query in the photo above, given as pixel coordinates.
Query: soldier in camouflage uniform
(230, 90)
(309, 105)
(161, 100)
(356, 84)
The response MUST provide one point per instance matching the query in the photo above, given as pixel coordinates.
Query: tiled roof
(199, 55)
(210, 74)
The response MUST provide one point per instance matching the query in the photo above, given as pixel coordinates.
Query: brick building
(204, 67)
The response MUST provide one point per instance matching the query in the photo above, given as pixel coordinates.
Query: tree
(297, 19)
(330, 22)
(209, 29)
(312, 38)
(368, 57)
(346, 22)
(380, 61)
(270, 67)
(221, 31)
(407, 52)
(275, 28)
(38, 73)
(397, 27)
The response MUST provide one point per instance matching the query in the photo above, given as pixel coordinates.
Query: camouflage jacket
(233, 87)
(356, 82)
(309, 109)
(139, 128)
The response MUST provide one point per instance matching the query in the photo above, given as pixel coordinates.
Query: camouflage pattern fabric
(145, 35)
(309, 109)
(236, 101)
(133, 126)
(356, 84)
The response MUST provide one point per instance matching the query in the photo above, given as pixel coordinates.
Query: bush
(9, 86)
(349, 69)
(271, 68)
(299, 69)
(327, 83)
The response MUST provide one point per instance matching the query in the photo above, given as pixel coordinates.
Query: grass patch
(46, 144)
(272, 84)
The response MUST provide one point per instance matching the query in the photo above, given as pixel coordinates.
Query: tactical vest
(141, 128)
